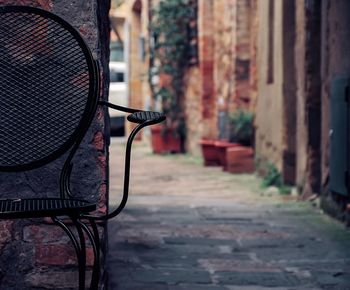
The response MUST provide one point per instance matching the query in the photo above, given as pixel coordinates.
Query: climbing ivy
(170, 27)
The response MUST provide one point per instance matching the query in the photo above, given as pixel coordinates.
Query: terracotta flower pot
(164, 140)
(222, 146)
(165, 80)
(210, 152)
(240, 159)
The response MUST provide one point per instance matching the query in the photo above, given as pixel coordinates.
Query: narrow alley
(189, 227)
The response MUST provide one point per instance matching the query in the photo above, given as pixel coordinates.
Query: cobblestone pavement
(187, 227)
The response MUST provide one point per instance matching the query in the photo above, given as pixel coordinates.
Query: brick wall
(233, 25)
(253, 80)
(206, 44)
(242, 43)
(224, 78)
(35, 254)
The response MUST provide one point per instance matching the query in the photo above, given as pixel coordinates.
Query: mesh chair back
(48, 83)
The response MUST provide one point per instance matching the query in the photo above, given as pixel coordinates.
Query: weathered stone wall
(193, 103)
(135, 70)
(269, 108)
(206, 42)
(289, 112)
(233, 24)
(200, 98)
(300, 58)
(308, 63)
(224, 60)
(253, 80)
(146, 91)
(242, 57)
(137, 20)
(224, 79)
(35, 254)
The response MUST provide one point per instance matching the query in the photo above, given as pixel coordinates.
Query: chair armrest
(146, 116)
(119, 108)
(137, 116)
(143, 119)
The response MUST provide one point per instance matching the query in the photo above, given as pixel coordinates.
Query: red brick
(59, 255)
(83, 29)
(45, 4)
(103, 194)
(100, 113)
(44, 234)
(51, 279)
(103, 165)
(5, 233)
(99, 141)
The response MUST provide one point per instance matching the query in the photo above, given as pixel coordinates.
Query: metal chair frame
(81, 213)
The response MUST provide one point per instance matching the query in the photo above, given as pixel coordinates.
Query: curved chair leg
(96, 273)
(95, 242)
(82, 256)
(77, 247)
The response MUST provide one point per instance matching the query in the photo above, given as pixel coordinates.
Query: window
(116, 77)
(116, 51)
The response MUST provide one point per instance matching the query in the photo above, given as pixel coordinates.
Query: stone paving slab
(187, 227)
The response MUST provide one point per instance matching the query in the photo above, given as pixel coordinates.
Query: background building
(283, 60)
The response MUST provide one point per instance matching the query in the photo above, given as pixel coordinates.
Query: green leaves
(170, 26)
(241, 123)
(272, 177)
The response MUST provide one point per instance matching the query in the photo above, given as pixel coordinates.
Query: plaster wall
(193, 104)
(137, 20)
(269, 109)
(301, 157)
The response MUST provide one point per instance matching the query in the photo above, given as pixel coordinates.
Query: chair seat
(42, 207)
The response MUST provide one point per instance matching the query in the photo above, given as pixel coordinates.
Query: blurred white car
(118, 96)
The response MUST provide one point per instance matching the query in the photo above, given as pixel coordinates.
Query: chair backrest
(48, 87)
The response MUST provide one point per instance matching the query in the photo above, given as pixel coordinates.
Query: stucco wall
(269, 109)
(224, 54)
(137, 22)
(35, 253)
(301, 159)
(193, 104)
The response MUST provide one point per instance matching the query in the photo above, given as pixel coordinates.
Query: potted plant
(221, 147)
(169, 58)
(240, 158)
(210, 152)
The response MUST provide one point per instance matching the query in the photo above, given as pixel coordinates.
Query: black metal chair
(49, 89)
